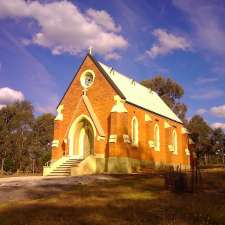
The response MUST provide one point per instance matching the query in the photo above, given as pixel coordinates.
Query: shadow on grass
(128, 199)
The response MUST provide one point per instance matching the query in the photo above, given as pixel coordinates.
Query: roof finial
(90, 50)
(133, 81)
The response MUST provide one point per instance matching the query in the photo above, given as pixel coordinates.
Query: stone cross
(90, 50)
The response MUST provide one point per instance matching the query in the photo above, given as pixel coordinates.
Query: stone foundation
(93, 165)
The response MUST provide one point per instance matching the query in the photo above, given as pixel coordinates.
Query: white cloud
(218, 111)
(8, 96)
(45, 109)
(206, 80)
(2, 106)
(112, 55)
(201, 111)
(103, 19)
(167, 43)
(65, 29)
(207, 94)
(13, 8)
(218, 125)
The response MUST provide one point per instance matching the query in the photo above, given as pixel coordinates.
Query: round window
(87, 79)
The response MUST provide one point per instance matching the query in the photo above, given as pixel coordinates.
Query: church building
(108, 122)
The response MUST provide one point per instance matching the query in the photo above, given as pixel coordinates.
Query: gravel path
(35, 187)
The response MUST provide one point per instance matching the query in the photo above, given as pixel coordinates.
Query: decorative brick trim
(147, 118)
(93, 116)
(55, 143)
(100, 138)
(126, 138)
(166, 125)
(112, 138)
(151, 144)
(59, 113)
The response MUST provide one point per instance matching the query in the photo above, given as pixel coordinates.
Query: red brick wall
(146, 133)
(101, 95)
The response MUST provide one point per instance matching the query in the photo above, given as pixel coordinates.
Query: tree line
(25, 140)
(209, 143)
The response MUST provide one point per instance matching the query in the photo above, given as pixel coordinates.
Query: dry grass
(129, 199)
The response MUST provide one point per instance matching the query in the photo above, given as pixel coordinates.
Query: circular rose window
(87, 79)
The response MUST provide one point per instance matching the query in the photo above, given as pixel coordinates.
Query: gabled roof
(139, 95)
(130, 90)
(100, 69)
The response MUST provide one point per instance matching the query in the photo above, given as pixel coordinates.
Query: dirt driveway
(35, 187)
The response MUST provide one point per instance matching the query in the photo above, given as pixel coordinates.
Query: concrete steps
(64, 168)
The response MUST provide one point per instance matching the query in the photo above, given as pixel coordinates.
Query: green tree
(201, 134)
(22, 130)
(6, 129)
(41, 140)
(15, 122)
(218, 138)
(170, 91)
(24, 139)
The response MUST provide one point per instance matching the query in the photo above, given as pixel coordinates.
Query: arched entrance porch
(81, 138)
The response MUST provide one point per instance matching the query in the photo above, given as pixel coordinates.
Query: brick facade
(101, 96)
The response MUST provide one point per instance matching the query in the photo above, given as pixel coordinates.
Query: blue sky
(42, 44)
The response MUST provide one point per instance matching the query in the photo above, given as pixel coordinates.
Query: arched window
(174, 141)
(134, 131)
(156, 138)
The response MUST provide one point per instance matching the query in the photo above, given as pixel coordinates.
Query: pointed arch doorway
(81, 138)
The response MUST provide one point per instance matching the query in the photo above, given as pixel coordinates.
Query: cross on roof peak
(90, 50)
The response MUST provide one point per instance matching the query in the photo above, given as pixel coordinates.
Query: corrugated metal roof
(139, 95)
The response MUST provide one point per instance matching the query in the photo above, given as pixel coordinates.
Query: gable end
(101, 70)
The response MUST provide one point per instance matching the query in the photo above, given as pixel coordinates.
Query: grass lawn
(124, 199)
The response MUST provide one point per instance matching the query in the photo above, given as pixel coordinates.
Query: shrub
(177, 181)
